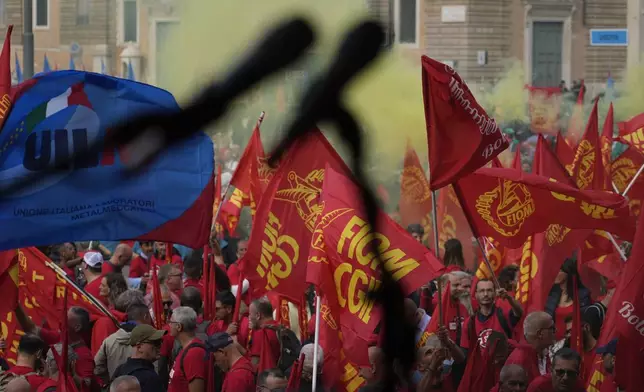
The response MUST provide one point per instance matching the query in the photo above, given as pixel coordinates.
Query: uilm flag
(460, 134)
(344, 265)
(415, 202)
(286, 218)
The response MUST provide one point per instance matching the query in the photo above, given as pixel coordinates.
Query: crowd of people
(524, 352)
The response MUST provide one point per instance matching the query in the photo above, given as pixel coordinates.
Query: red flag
(157, 301)
(623, 171)
(460, 134)
(415, 203)
(5, 78)
(510, 206)
(516, 162)
(218, 197)
(565, 153)
(544, 109)
(345, 268)
(286, 216)
(628, 303)
(631, 132)
(587, 168)
(606, 141)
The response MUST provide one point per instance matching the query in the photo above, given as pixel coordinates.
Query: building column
(635, 26)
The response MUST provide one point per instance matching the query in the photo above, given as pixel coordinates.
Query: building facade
(551, 38)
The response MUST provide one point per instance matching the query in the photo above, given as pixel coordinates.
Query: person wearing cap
(607, 354)
(145, 342)
(92, 269)
(239, 370)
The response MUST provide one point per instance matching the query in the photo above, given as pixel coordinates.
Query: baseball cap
(218, 341)
(93, 259)
(608, 348)
(144, 332)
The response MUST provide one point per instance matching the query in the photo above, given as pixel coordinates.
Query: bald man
(19, 384)
(539, 331)
(121, 256)
(125, 384)
(513, 379)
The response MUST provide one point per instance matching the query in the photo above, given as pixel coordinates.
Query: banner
(63, 113)
(544, 107)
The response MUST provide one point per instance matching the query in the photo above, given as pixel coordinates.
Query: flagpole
(439, 301)
(619, 249)
(316, 342)
(630, 184)
(260, 120)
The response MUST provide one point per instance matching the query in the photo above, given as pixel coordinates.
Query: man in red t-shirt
(234, 273)
(539, 331)
(225, 308)
(264, 345)
(565, 374)
(159, 256)
(78, 324)
(239, 370)
(30, 349)
(488, 317)
(122, 256)
(92, 269)
(189, 371)
(140, 265)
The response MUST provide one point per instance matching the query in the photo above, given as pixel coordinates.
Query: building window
(130, 21)
(407, 22)
(41, 13)
(82, 12)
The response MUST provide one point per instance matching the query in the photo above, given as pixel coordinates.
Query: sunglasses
(563, 372)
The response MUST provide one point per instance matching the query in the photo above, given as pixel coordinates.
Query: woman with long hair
(453, 258)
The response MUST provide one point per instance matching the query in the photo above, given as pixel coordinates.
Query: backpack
(290, 346)
(7, 376)
(200, 333)
(499, 314)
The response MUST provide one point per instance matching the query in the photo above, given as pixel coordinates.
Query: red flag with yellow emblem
(285, 219)
(510, 206)
(415, 203)
(346, 268)
(631, 132)
(460, 134)
(587, 168)
(606, 141)
(565, 154)
(623, 170)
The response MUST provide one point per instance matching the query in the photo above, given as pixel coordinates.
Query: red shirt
(544, 384)
(194, 365)
(34, 380)
(139, 267)
(198, 284)
(108, 267)
(93, 289)
(103, 327)
(234, 273)
(240, 377)
(525, 356)
(560, 320)
(262, 336)
(159, 262)
(484, 325)
(588, 359)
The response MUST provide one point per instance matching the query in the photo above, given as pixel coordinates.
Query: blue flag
(64, 112)
(19, 77)
(45, 66)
